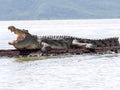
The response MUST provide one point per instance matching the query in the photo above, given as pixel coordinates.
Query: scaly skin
(27, 41)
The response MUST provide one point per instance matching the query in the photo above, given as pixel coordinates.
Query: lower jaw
(13, 42)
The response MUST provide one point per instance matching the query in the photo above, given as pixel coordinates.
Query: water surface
(79, 72)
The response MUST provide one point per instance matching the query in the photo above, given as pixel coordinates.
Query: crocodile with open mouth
(25, 40)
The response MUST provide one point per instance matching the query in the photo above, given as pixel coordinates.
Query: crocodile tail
(101, 42)
(107, 42)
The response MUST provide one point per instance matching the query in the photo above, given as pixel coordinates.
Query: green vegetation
(29, 59)
(58, 9)
(22, 59)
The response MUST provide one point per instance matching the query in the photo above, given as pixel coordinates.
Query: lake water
(79, 72)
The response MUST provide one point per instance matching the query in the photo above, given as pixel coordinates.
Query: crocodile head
(24, 39)
(20, 33)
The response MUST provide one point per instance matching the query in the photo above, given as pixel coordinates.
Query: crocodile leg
(79, 44)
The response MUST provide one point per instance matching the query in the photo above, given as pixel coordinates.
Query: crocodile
(25, 40)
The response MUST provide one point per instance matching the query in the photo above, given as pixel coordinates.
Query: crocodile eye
(26, 31)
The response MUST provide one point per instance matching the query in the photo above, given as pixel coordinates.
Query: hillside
(58, 9)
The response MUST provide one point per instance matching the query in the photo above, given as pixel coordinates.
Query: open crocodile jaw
(20, 36)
